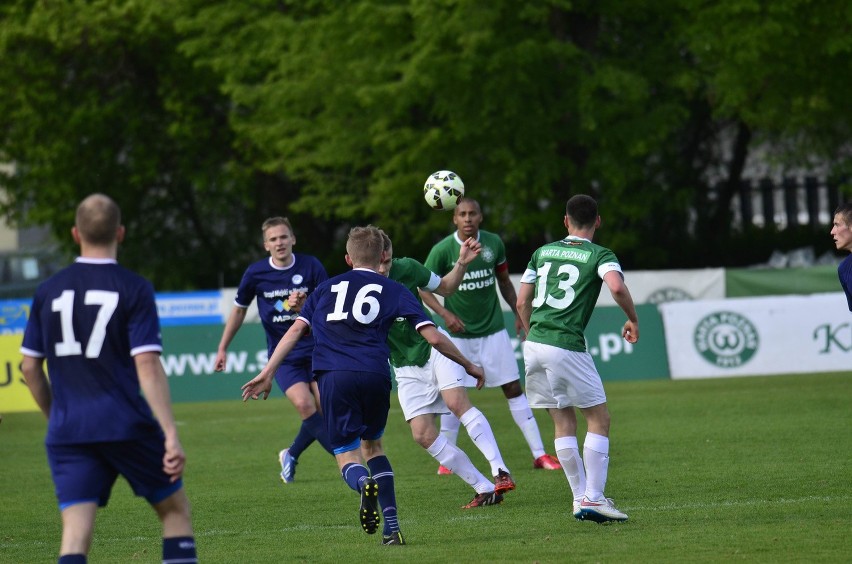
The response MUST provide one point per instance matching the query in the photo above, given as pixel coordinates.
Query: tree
(96, 97)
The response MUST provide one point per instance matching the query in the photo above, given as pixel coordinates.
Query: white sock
(568, 453)
(596, 458)
(480, 432)
(523, 416)
(450, 427)
(452, 457)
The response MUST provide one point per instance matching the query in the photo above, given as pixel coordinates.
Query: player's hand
(630, 332)
(478, 373)
(469, 250)
(221, 358)
(260, 384)
(519, 328)
(296, 300)
(174, 459)
(454, 324)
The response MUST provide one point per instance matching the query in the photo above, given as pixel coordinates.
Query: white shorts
(494, 354)
(418, 389)
(558, 378)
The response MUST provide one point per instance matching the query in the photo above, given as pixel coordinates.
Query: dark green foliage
(204, 117)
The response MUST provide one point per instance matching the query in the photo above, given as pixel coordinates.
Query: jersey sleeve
(436, 261)
(410, 309)
(33, 342)
(143, 324)
(246, 290)
(608, 263)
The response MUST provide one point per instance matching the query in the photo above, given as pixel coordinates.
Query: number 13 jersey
(567, 276)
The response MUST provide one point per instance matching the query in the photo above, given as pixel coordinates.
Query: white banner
(758, 336)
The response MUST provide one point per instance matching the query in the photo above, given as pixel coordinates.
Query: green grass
(746, 469)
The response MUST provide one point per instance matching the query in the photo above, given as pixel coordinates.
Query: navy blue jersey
(350, 316)
(272, 285)
(88, 321)
(844, 271)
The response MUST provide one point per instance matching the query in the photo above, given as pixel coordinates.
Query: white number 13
(64, 304)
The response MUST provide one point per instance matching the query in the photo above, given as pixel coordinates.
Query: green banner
(189, 354)
(189, 358)
(749, 282)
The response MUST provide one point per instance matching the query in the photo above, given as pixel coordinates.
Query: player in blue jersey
(559, 290)
(841, 232)
(350, 316)
(281, 283)
(96, 325)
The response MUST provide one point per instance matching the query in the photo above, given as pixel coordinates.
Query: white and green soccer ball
(443, 190)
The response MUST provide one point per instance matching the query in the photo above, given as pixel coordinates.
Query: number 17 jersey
(567, 276)
(88, 320)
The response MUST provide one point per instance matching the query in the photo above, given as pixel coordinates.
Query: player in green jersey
(474, 319)
(558, 293)
(429, 384)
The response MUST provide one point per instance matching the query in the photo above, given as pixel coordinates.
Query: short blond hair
(98, 219)
(275, 222)
(365, 245)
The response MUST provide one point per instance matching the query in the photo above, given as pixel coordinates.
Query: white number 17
(64, 304)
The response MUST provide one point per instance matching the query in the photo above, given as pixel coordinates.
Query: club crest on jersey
(487, 254)
(297, 279)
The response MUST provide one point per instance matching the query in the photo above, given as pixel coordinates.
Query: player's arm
(524, 305)
(155, 386)
(614, 280)
(451, 320)
(507, 290)
(36, 379)
(235, 321)
(262, 383)
(446, 347)
(468, 251)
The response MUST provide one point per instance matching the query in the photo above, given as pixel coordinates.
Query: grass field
(748, 469)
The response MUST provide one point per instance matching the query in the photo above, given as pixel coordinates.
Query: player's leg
(78, 525)
(590, 397)
(568, 452)
(449, 377)
(296, 380)
(83, 482)
(178, 538)
(501, 369)
(349, 413)
(548, 387)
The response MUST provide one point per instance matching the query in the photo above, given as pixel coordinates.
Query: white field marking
(736, 503)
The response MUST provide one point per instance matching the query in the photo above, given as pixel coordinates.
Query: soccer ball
(443, 190)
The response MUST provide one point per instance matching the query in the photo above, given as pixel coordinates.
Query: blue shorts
(290, 373)
(355, 406)
(86, 472)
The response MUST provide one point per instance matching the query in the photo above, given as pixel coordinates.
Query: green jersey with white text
(407, 346)
(567, 276)
(475, 302)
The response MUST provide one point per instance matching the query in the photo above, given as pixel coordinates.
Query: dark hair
(845, 211)
(582, 209)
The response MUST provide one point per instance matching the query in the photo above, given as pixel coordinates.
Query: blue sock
(303, 440)
(354, 475)
(72, 559)
(179, 549)
(382, 473)
(316, 426)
